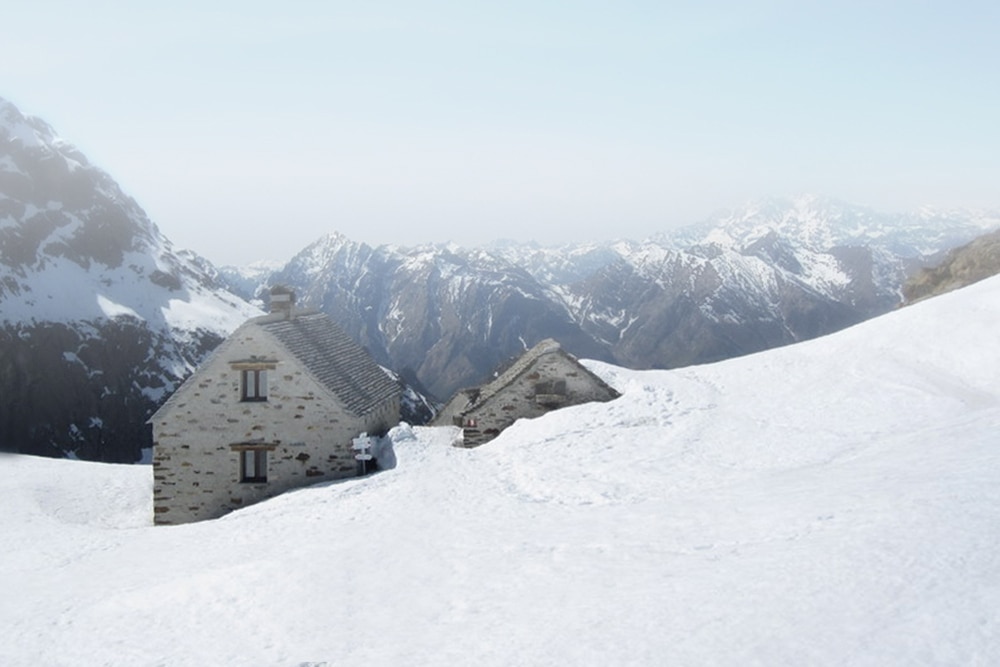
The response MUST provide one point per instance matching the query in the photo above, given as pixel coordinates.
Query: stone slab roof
(333, 358)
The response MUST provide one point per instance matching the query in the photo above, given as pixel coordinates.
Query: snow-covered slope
(833, 502)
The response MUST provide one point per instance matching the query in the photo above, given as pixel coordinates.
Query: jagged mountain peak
(332, 241)
(27, 131)
(325, 248)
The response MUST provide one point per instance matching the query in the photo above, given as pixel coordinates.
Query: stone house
(545, 378)
(276, 406)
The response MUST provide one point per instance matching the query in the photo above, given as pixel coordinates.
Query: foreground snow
(831, 503)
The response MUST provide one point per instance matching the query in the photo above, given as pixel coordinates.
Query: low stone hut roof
(479, 396)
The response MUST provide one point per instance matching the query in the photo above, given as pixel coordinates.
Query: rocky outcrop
(963, 266)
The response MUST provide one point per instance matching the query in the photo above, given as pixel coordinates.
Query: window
(252, 458)
(253, 376)
(253, 465)
(550, 394)
(551, 387)
(253, 385)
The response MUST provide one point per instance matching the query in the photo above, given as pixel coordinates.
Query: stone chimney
(282, 301)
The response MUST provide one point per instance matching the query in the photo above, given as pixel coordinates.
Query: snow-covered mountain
(100, 317)
(829, 503)
(439, 313)
(774, 273)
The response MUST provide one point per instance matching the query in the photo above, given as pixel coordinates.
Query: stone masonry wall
(520, 400)
(196, 469)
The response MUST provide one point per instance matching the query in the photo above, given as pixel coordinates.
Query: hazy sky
(247, 130)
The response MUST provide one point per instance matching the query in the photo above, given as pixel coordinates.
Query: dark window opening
(253, 385)
(551, 387)
(253, 465)
(550, 394)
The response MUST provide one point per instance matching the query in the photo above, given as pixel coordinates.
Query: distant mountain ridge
(772, 273)
(819, 223)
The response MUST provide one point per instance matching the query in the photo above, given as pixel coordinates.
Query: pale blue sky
(246, 130)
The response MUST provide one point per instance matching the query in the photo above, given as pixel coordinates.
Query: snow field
(828, 503)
